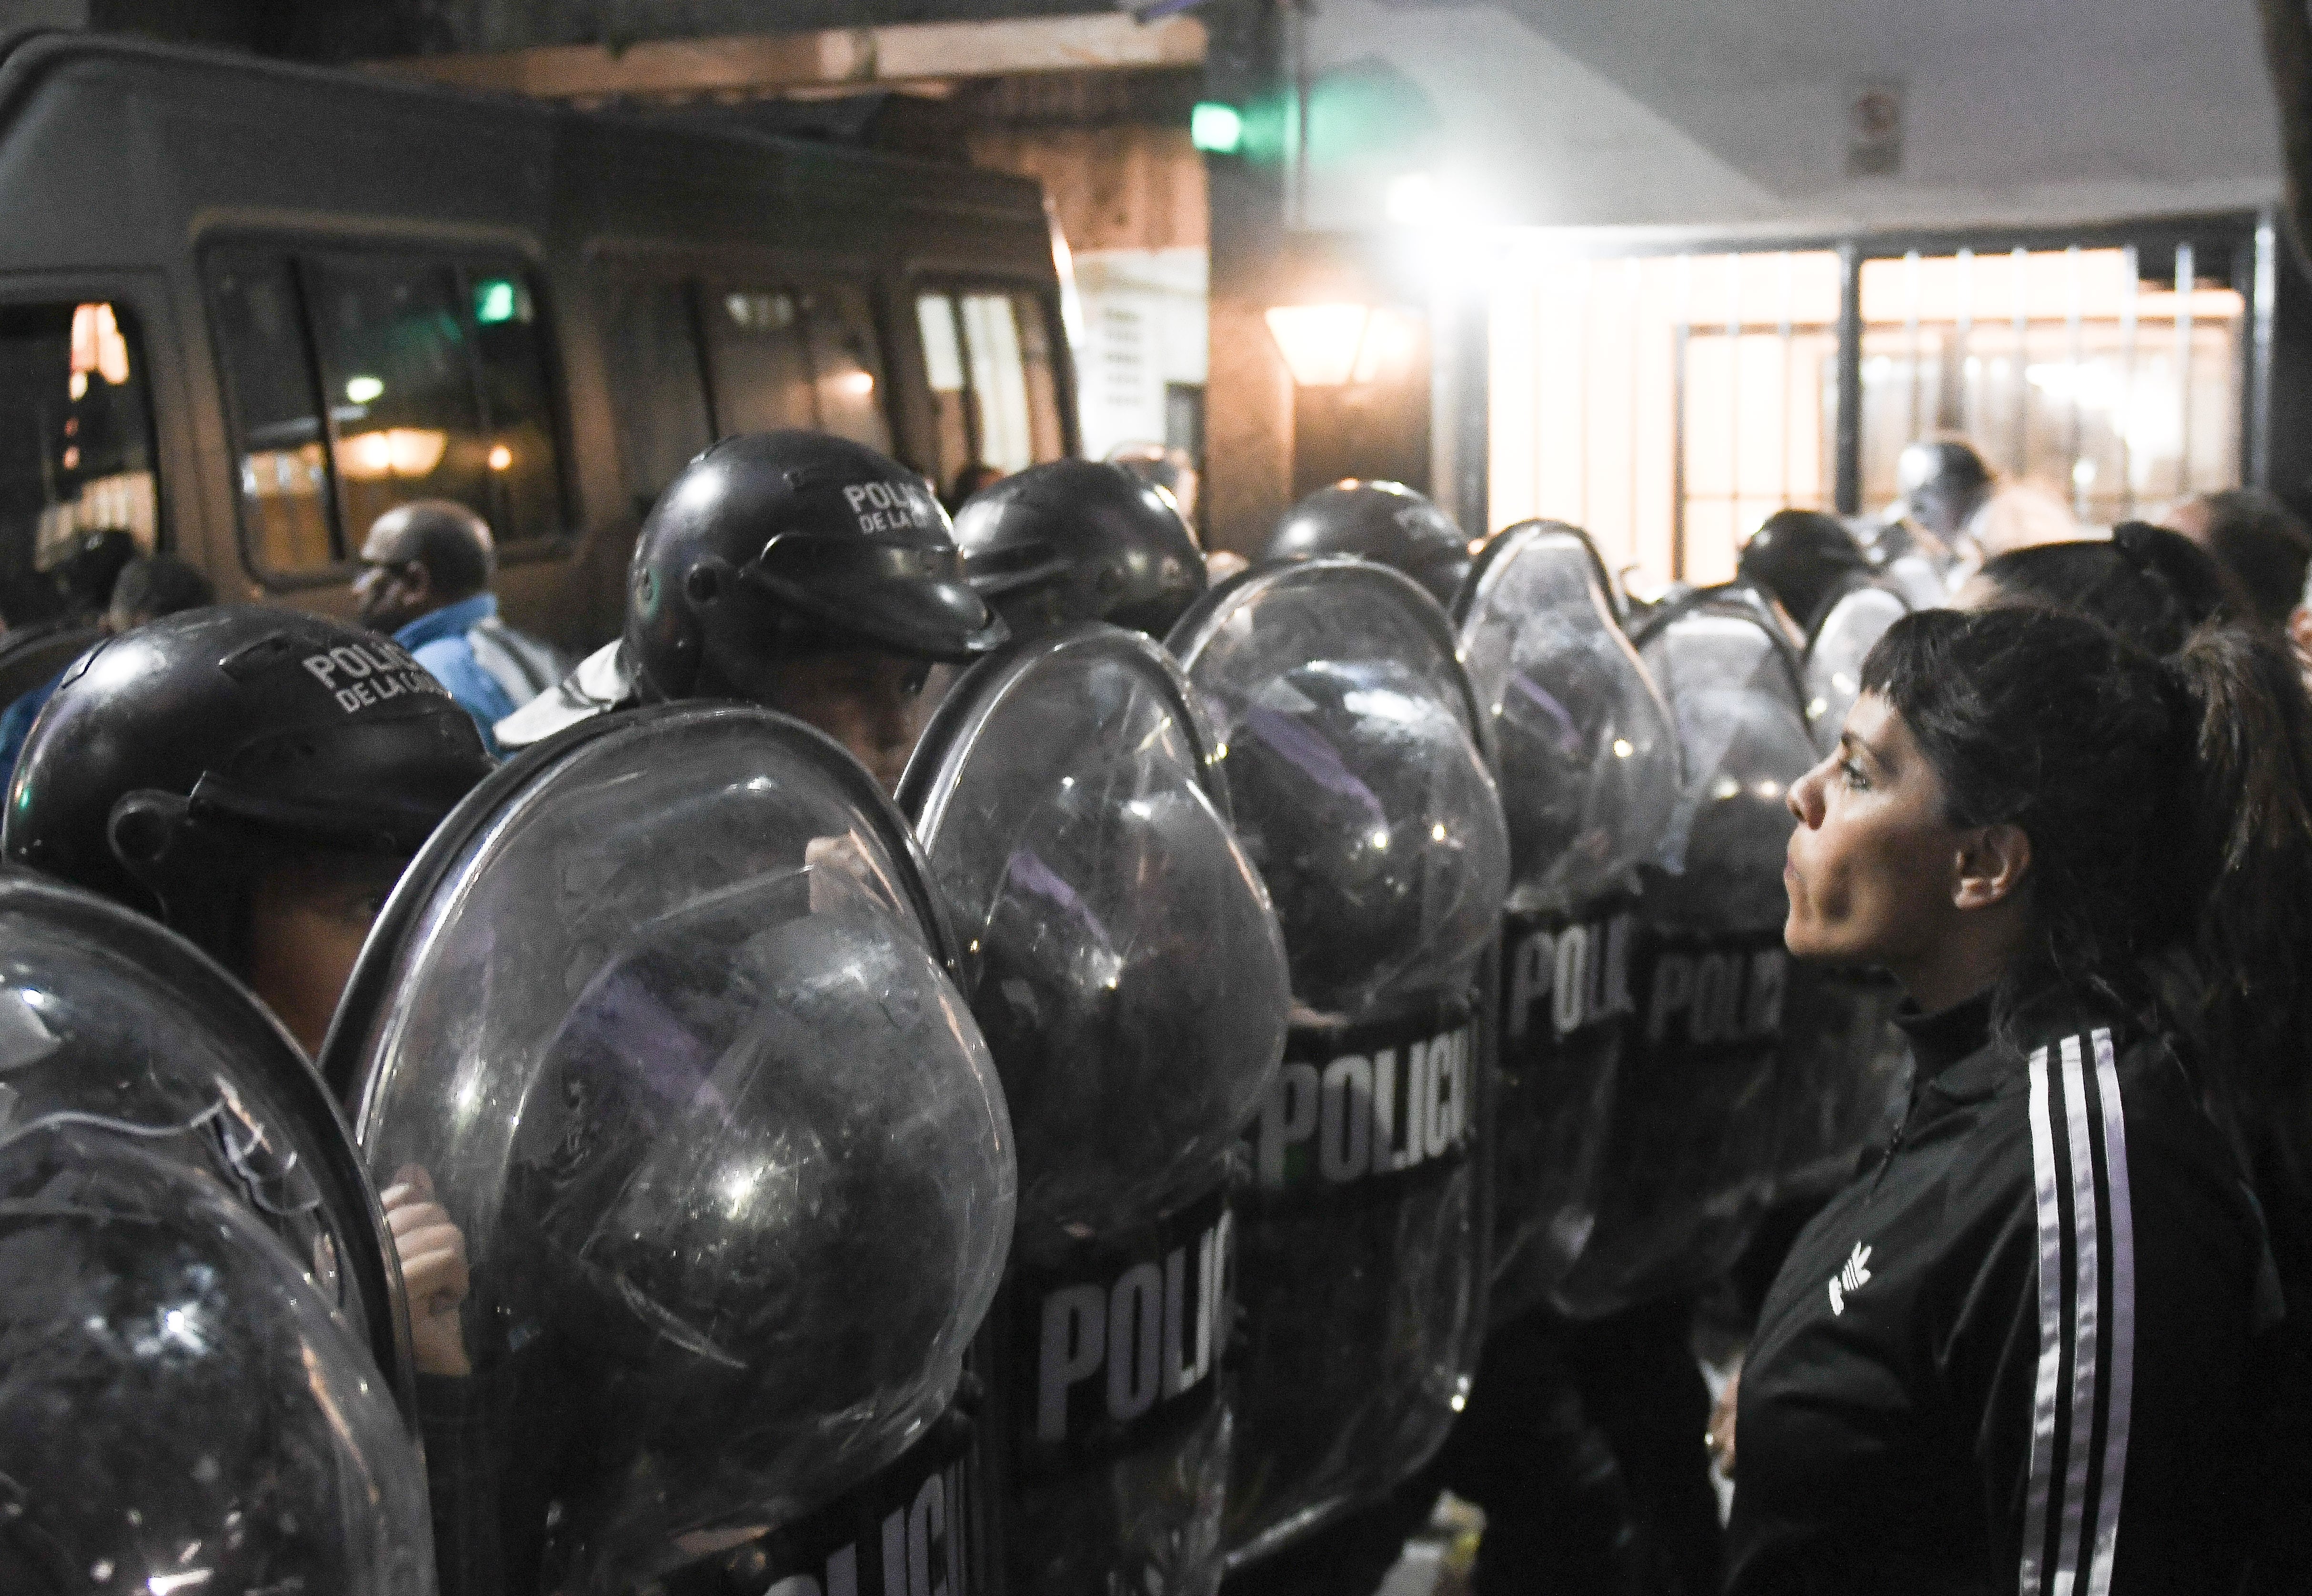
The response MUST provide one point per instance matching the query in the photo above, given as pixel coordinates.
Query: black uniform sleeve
(2096, 1354)
(458, 1475)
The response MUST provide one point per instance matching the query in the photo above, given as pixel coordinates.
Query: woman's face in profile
(1872, 863)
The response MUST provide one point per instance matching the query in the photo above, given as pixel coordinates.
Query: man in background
(427, 583)
(145, 589)
(2257, 538)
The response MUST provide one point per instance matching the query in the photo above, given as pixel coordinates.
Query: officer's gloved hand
(432, 1253)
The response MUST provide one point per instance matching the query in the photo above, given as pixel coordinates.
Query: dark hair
(2152, 586)
(2166, 804)
(160, 584)
(445, 537)
(2264, 544)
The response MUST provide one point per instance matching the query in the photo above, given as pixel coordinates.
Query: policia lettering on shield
(804, 572)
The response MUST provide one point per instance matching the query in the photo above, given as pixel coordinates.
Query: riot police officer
(1076, 539)
(1799, 559)
(253, 778)
(1384, 522)
(802, 572)
(257, 779)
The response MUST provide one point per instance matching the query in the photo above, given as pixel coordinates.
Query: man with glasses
(427, 582)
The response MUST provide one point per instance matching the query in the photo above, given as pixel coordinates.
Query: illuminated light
(494, 300)
(362, 390)
(857, 384)
(501, 457)
(98, 346)
(1321, 343)
(72, 458)
(1379, 838)
(1725, 787)
(1216, 128)
(391, 452)
(1437, 832)
(1411, 199)
(1769, 789)
(739, 1187)
(1815, 708)
(2083, 473)
(77, 385)
(163, 1584)
(1391, 343)
(1622, 748)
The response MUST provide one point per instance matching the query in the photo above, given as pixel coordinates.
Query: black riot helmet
(1799, 557)
(771, 545)
(176, 758)
(1384, 522)
(1079, 539)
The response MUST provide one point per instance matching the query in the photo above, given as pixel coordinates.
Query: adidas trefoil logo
(1853, 1277)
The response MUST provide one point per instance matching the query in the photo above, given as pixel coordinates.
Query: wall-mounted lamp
(1333, 346)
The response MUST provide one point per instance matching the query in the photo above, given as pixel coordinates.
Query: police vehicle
(246, 307)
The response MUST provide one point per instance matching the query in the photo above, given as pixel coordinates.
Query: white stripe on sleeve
(2121, 1334)
(2050, 1332)
(2085, 1222)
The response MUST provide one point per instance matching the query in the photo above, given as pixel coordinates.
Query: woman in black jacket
(2044, 1345)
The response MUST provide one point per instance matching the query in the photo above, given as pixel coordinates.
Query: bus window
(943, 363)
(846, 371)
(285, 487)
(657, 385)
(756, 353)
(992, 378)
(510, 369)
(76, 443)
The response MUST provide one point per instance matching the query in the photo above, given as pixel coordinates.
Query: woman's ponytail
(2247, 794)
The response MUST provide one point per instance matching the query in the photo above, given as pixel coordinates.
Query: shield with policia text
(1691, 1141)
(666, 1011)
(1358, 772)
(1128, 974)
(206, 1378)
(1589, 782)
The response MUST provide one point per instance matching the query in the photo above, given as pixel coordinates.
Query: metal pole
(2184, 278)
(1734, 394)
(1965, 273)
(2071, 317)
(1783, 426)
(1848, 493)
(1581, 391)
(2264, 307)
(2022, 260)
(1911, 342)
(2127, 382)
(1681, 338)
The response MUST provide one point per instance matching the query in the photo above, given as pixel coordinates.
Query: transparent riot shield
(184, 1408)
(1131, 982)
(665, 1012)
(1856, 619)
(1689, 1152)
(1357, 769)
(204, 1345)
(109, 1020)
(1589, 782)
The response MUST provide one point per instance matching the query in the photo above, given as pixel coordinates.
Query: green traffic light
(1216, 128)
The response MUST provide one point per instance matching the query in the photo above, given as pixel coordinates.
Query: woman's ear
(1992, 864)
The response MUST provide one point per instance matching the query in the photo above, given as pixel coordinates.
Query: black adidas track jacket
(2028, 1351)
